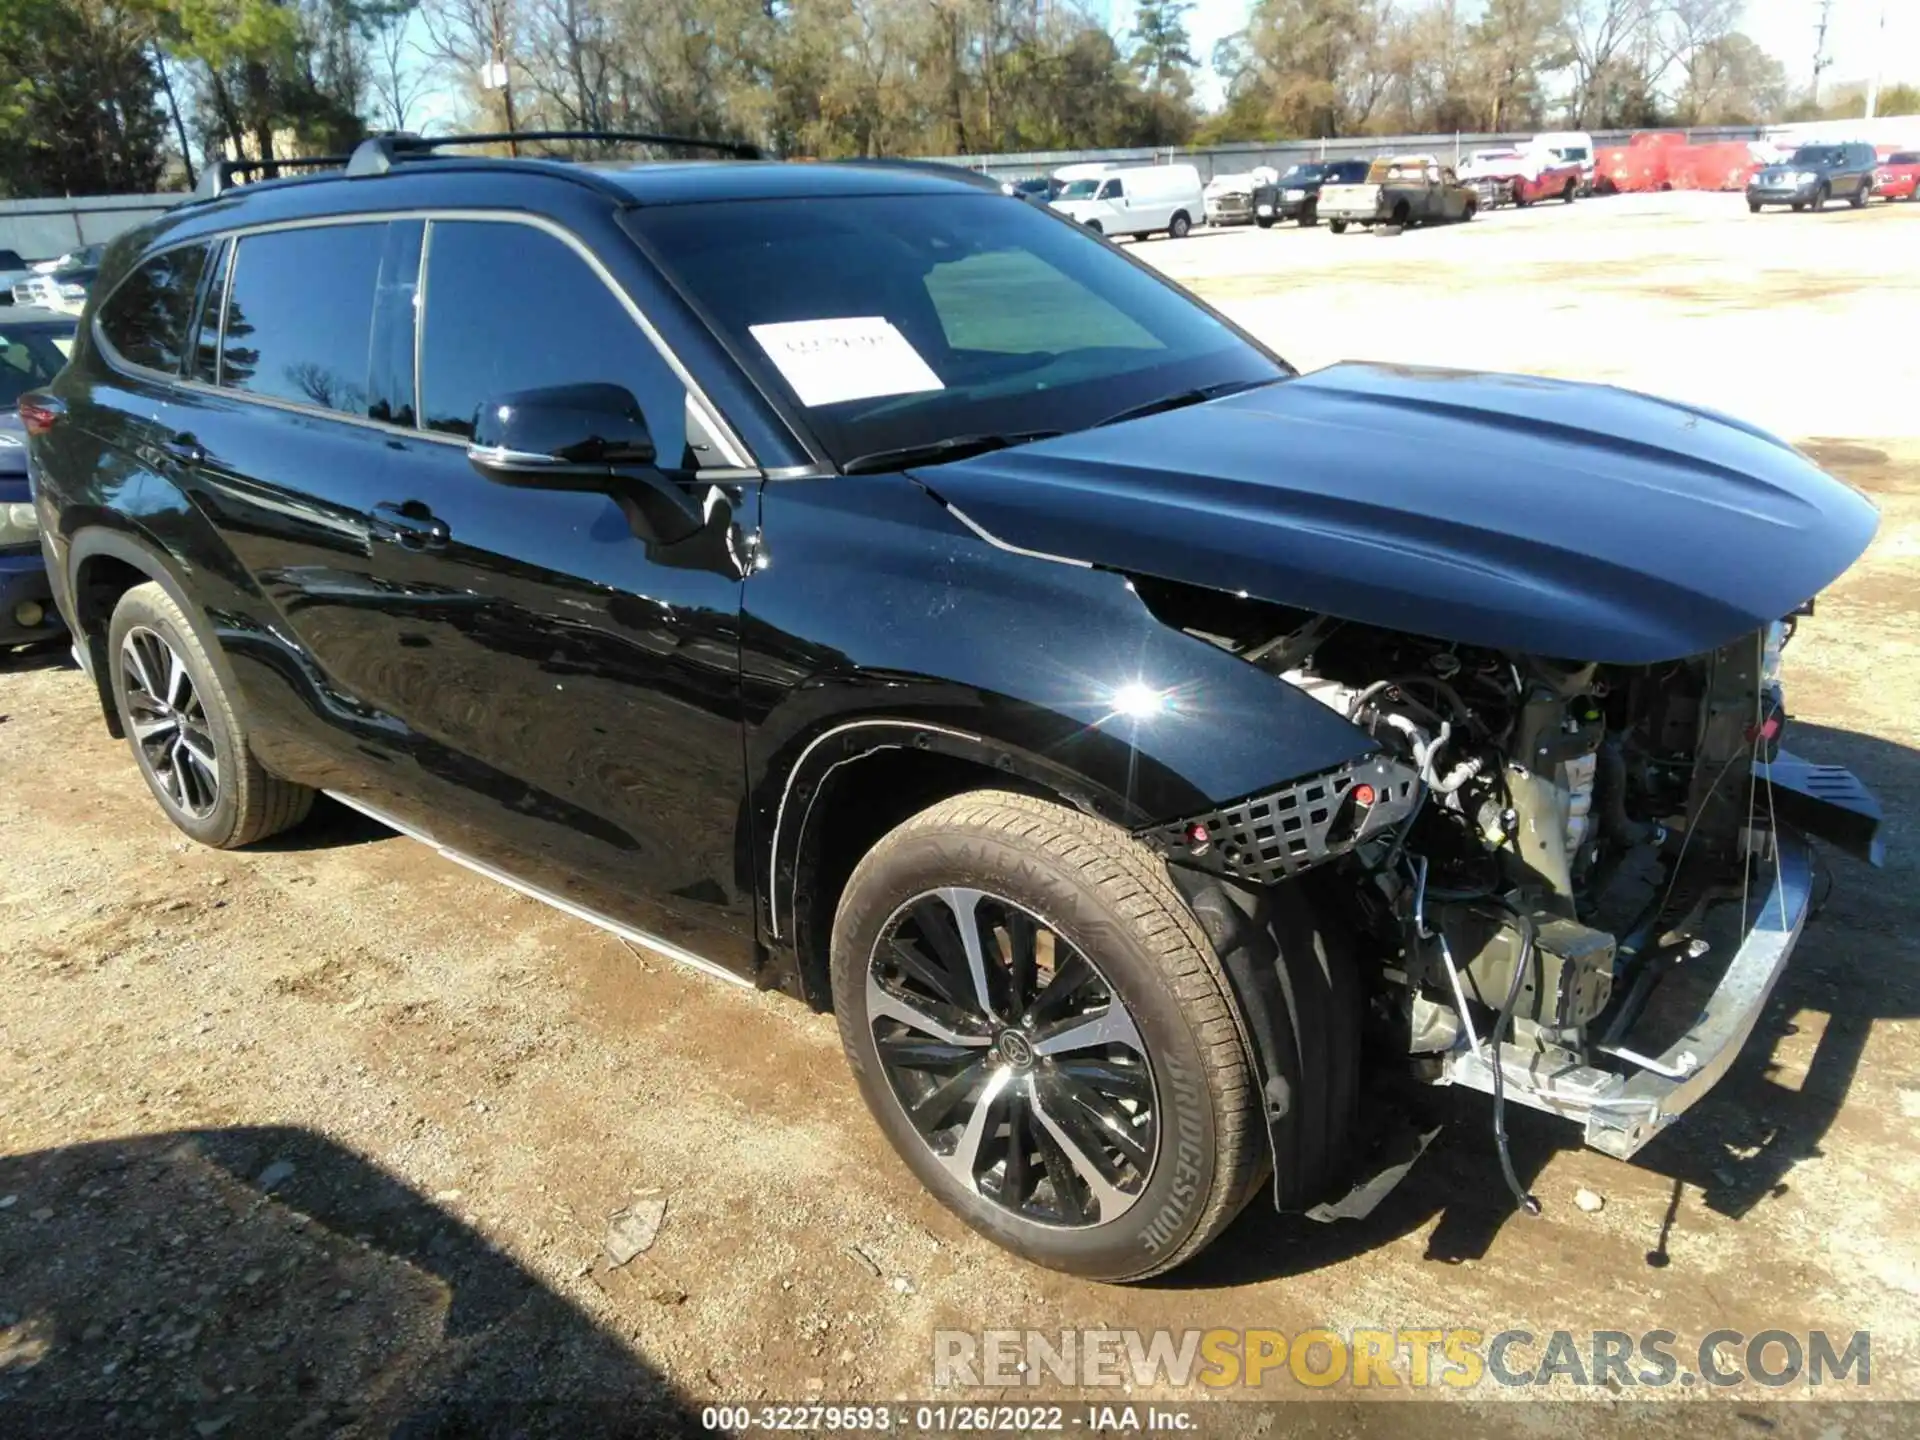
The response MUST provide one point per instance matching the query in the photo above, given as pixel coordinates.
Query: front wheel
(1042, 1030)
(1265, 222)
(1180, 226)
(1753, 207)
(1309, 216)
(1566, 195)
(1859, 197)
(185, 736)
(1820, 198)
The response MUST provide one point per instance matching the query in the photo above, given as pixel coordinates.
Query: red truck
(1520, 177)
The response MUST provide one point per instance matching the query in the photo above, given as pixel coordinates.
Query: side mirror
(563, 437)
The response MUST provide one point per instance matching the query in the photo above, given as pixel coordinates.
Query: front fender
(881, 618)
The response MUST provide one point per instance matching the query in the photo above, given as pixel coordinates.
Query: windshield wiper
(938, 452)
(1179, 401)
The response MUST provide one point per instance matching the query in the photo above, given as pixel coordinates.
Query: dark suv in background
(849, 580)
(1814, 175)
(1296, 194)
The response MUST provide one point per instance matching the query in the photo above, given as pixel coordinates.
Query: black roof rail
(378, 154)
(218, 178)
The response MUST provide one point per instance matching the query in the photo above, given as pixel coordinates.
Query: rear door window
(299, 317)
(145, 319)
(510, 307)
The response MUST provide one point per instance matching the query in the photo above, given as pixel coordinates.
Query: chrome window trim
(734, 452)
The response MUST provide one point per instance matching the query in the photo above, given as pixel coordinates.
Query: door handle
(410, 525)
(185, 449)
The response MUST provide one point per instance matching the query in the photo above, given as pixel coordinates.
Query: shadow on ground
(268, 1282)
(1736, 1148)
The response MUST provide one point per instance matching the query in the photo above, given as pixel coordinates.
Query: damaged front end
(1577, 883)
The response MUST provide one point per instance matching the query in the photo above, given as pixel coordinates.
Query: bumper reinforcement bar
(1623, 1111)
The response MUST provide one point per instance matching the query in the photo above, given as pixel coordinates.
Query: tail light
(39, 411)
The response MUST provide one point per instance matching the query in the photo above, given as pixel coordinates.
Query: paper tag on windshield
(856, 357)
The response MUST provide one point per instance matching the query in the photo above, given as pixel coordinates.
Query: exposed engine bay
(1532, 848)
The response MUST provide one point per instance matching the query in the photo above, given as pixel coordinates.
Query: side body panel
(879, 618)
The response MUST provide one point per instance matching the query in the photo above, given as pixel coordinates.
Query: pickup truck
(1520, 177)
(1399, 191)
(12, 270)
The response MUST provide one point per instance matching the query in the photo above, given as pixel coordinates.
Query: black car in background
(1296, 194)
(1814, 175)
(34, 344)
(1132, 741)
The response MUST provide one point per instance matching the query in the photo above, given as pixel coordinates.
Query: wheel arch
(853, 783)
(102, 565)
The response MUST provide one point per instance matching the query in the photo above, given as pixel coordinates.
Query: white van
(1574, 147)
(1133, 200)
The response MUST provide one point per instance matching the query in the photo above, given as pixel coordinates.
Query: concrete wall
(1240, 157)
(42, 229)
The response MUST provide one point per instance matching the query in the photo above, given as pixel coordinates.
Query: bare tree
(399, 72)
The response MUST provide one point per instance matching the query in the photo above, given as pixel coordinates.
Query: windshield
(1819, 155)
(1079, 190)
(894, 321)
(29, 358)
(1315, 171)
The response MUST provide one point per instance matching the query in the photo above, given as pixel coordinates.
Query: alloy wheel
(1013, 1058)
(169, 722)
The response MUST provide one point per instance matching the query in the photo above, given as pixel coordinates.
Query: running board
(654, 943)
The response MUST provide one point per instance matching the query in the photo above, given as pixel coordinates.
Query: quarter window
(145, 319)
(300, 315)
(510, 307)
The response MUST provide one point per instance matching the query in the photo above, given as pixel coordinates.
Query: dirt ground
(326, 1135)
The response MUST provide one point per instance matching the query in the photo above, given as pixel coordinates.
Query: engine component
(1569, 979)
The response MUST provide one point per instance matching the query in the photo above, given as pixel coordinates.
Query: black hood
(1578, 521)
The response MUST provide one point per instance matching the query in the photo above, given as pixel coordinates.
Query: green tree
(79, 112)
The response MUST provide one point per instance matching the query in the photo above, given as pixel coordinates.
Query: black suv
(851, 580)
(1815, 175)
(1296, 194)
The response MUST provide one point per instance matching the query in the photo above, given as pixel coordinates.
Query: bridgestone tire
(1110, 898)
(250, 803)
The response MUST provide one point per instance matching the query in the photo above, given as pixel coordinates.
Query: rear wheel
(1338, 227)
(1039, 1025)
(1468, 210)
(185, 736)
(1180, 226)
(1265, 222)
(1753, 207)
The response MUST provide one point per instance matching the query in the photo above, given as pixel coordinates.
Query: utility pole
(1820, 57)
(1873, 81)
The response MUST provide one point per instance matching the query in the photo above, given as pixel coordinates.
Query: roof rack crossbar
(218, 177)
(380, 153)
